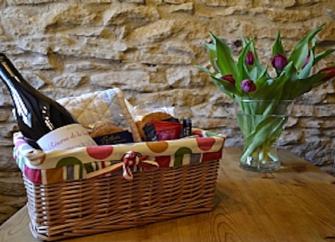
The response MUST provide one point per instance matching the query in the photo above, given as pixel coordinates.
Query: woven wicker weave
(106, 203)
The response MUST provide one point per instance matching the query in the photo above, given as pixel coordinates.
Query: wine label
(66, 137)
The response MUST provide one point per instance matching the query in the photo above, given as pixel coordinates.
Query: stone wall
(149, 48)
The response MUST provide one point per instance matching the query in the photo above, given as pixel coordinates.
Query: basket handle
(130, 162)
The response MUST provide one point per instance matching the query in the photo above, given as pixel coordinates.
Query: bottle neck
(11, 81)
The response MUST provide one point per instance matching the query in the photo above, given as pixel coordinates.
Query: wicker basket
(104, 201)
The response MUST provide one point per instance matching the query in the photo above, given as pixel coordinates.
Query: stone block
(11, 184)
(276, 4)
(86, 65)
(307, 2)
(34, 78)
(185, 7)
(328, 33)
(183, 76)
(61, 15)
(122, 14)
(211, 123)
(329, 133)
(69, 80)
(225, 3)
(314, 97)
(5, 114)
(184, 98)
(136, 80)
(7, 129)
(280, 15)
(158, 58)
(5, 101)
(309, 123)
(6, 142)
(234, 142)
(154, 32)
(58, 92)
(10, 47)
(309, 132)
(28, 2)
(290, 137)
(175, 1)
(179, 47)
(216, 3)
(68, 45)
(222, 12)
(30, 66)
(37, 44)
(19, 21)
(7, 162)
(328, 122)
(133, 1)
(326, 110)
(291, 122)
(302, 110)
(261, 30)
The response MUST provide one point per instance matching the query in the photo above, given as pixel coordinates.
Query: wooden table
(296, 204)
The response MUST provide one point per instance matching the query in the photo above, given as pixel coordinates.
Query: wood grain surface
(297, 203)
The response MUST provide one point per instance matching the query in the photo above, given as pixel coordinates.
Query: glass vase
(261, 123)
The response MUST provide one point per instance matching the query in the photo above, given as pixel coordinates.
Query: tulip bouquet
(262, 98)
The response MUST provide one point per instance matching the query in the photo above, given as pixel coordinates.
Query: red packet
(167, 130)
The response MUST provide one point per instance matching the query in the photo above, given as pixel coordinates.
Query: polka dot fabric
(68, 165)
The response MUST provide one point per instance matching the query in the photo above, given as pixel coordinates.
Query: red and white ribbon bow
(133, 162)
(130, 162)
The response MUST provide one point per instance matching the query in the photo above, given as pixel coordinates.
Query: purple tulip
(248, 86)
(279, 62)
(249, 59)
(229, 78)
(329, 72)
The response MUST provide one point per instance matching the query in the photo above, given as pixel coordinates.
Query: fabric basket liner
(75, 164)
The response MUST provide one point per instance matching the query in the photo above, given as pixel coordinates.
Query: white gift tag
(66, 137)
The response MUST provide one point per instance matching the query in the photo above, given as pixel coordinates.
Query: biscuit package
(104, 113)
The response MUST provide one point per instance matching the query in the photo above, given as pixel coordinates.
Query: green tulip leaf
(225, 61)
(299, 56)
(204, 69)
(241, 68)
(323, 55)
(227, 88)
(306, 70)
(277, 47)
(264, 131)
(300, 86)
(301, 49)
(254, 73)
(273, 89)
(212, 56)
(259, 66)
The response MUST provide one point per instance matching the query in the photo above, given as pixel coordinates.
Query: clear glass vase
(261, 123)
